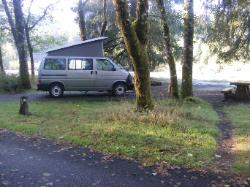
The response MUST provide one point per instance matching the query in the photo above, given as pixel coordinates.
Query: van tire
(56, 90)
(119, 89)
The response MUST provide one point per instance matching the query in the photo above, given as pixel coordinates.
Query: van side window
(104, 65)
(55, 64)
(80, 64)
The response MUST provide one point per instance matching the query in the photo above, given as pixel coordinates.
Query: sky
(63, 16)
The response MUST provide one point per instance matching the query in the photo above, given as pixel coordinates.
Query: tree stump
(24, 107)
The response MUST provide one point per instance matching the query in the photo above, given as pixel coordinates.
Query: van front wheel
(119, 89)
(56, 90)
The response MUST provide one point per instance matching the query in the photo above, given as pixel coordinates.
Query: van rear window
(55, 64)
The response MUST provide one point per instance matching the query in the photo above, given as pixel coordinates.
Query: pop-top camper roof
(89, 48)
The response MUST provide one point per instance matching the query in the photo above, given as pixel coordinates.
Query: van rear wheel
(56, 90)
(119, 89)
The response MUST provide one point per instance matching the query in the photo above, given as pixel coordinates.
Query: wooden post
(24, 107)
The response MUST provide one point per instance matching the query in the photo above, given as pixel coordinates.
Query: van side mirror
(113, 69)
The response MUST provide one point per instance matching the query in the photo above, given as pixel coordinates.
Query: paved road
(39, 162)
(159, 92)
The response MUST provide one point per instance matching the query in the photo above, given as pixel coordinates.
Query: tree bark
(10, 19)
(169, 53)
(2, 72)
(105, 20)
(187, 84)
(18, 32)
(141, 23)
(21, 46)
(82, 23)
(136, 49)
(30, 49)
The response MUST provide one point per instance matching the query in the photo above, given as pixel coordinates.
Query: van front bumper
(130, 86)
(129, 82)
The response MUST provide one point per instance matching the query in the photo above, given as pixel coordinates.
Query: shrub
(9, 83)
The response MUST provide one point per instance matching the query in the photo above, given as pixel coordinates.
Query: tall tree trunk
(21, 45)
(30, 48)
(2, 72)
(18, 32)
(135, 46)
(187, 83)
(105, 20)
(82, 24)
(169, 53)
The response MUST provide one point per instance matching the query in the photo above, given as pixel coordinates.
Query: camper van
(70, 69)
(59, 74)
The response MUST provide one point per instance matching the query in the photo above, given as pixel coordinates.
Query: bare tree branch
(84, 3)
(81, 15)
(45, 12)
(105, 21)
(29, 13)
(5, 28)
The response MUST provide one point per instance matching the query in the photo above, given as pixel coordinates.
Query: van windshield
(120, 66)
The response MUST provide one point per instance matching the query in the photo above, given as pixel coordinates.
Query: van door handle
(91, 72)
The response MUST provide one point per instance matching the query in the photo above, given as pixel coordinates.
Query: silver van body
(82, 74)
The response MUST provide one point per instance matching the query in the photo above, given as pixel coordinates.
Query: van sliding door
(80, 74)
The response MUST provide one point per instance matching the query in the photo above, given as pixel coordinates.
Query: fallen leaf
(46, 174)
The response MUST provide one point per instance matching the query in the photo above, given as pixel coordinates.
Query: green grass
(179, 134)
(239, 115)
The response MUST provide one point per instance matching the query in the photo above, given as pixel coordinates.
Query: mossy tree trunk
(82, 23)
(169, 53)
(2, 72)
(18, 32)
(21, 45)
(30, 48)
(135, 37)
(105, 19)
(187, 67)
